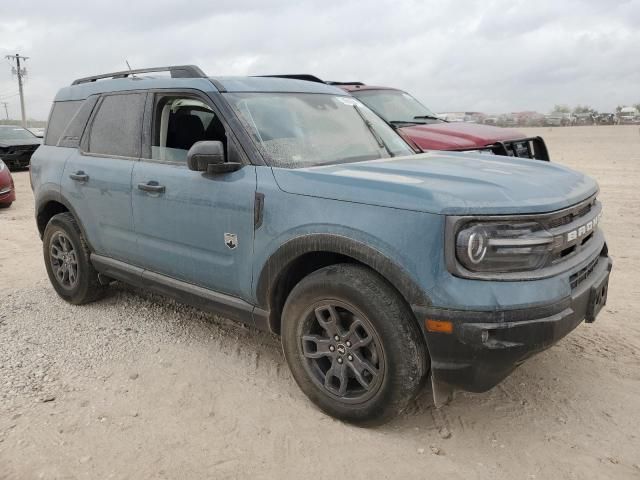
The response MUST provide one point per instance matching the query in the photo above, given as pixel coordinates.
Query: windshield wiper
(405, 122)
(372, 129)
(428, 117)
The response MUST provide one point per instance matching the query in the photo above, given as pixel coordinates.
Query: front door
(191, 226)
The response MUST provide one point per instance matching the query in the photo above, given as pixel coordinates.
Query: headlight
(503, 247)
(2, 165)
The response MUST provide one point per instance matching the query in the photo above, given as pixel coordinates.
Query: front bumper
(18, 157)
(485, 347)
(7, 195)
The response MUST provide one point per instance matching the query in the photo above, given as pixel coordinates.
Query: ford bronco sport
(290, 206)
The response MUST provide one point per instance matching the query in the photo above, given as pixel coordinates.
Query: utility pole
(6, 111)
(20, 72)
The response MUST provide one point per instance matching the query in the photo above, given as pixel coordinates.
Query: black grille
(520, 149)
(532, 147)
(570, 217)
(582, 274)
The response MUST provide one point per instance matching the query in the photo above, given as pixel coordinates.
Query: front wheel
(352, 344)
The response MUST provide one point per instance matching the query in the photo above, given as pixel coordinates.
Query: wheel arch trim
(56, 197)
(278, 263)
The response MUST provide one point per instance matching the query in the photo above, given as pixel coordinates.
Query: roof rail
(296, 76)
(177, 71)
(329, 82)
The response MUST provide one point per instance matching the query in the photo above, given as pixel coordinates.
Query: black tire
(85, 286)
(5, 205)
(396, 349)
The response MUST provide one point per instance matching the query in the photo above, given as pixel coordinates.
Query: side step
(199, 297)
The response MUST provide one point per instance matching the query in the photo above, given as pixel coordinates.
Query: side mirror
(208, 156)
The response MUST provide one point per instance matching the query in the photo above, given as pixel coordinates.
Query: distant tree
(583, 109)
(637, 106)
(619, 108)
(561, 108)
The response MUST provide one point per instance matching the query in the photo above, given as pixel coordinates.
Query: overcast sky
(492, 56)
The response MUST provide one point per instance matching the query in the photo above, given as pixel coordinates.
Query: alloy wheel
(343, 352)
(64, 260)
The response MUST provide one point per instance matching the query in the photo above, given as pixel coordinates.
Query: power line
(20, 72)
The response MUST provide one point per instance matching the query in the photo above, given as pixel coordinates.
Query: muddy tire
(67, 259)
(353, 345)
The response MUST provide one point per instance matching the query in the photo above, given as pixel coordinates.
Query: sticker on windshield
(348, 101)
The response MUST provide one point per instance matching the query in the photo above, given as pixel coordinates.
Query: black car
(17, 144)
(583, 119)
(605, 119)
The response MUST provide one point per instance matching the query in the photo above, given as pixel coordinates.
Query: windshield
(15, 133)
(294, 130)
(396, 106)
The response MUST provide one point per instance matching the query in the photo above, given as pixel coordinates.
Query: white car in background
(628, 116)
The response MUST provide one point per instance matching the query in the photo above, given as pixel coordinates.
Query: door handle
(151, 186)
(79, 176)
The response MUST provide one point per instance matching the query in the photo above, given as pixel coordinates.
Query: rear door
(97, 176)
(191, 226)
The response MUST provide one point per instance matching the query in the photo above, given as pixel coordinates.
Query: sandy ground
(136, 386)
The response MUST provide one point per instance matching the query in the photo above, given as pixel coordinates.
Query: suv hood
(445, 183)
(457, 135)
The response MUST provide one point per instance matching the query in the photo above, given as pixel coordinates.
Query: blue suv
(290, 206)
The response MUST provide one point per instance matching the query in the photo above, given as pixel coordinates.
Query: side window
(178, 123)
(73, 133)
(117, 126)
(61, 115)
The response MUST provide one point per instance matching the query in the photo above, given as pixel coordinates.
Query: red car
(7, 191)
(424, 130)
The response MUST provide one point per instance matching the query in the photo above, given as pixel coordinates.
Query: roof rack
(296, 76)
(177, 71)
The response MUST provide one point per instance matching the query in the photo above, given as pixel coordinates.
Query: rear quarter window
(61, 115)
(73, 133)
(117, 126)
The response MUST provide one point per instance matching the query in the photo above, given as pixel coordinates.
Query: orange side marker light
(440, 326)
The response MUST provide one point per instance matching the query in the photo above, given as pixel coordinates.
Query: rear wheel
(352, 344)
(67, 259)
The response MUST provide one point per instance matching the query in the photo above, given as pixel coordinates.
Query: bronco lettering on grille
(585, 229)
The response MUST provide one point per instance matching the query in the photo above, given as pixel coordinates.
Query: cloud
(492, 56)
